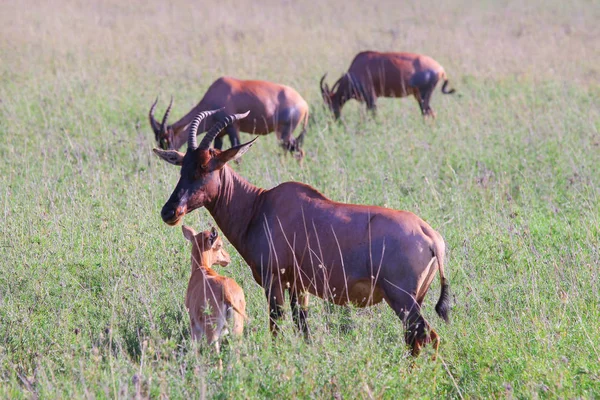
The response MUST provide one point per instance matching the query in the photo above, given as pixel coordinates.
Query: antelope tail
(444, 90)
(442, 308)
(243, 314)
(229, 300)
(300, 138)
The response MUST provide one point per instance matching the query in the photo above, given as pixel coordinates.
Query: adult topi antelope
(212, 299)
(272, 107)
(295, 239)
(373, 74)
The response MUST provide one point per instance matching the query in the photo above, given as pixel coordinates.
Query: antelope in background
(212, 299)
(272, 107)
(295, 239)
(373, 74)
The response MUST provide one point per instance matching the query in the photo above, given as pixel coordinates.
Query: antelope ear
(171, 156)
(213, 235)
(231, 154)
(188, 232)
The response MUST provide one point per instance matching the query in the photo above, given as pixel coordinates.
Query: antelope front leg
(275, 298)
(300, 313)
(234, 135)
(218, 351)
(371, 101)
(219, 142)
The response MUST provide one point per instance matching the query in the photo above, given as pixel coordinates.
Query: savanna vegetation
(92, 282)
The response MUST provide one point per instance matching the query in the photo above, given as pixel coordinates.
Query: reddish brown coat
(295, 239)
(272, 107)
(211, 299)
(374, 74)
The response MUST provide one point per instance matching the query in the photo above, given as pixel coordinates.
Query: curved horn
(324, 89)
(153, 122)
(192, 145)
(218, 127)
(163, 124)
(337, 83)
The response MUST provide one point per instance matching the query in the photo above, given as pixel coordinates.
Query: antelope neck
(234, 206)
(203, 269)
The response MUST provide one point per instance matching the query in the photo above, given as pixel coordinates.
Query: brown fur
(272, 107)
(211, 297)
(373, 74)
(295, 239)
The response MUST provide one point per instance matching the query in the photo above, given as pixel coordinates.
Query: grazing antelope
(272, 107)
(212, 299)
(373, 74)
(295, 239)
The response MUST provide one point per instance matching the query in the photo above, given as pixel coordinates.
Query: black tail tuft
(442, 308)
(444, 90)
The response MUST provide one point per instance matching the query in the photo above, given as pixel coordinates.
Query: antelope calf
(373, 74)
(212, 299)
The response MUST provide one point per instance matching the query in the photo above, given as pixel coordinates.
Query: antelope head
(343, 90)
(330, 96)
(207, 247)
(162, 132)
(200, 180)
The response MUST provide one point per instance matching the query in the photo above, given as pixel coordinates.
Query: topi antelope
(272, 107)
(212, 299)
(295, 239)
(373, 74)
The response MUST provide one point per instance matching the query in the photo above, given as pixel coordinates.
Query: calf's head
(201, 165)
(207, 248)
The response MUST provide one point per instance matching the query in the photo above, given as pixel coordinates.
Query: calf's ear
(171, 156)
(188, 232)
(213, 235)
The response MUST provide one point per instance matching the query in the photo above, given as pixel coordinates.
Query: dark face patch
(164, 143)
(336, 104)
(165, 140)
(333, 102)
(197, 185)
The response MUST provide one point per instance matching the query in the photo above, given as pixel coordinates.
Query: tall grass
(92, 281)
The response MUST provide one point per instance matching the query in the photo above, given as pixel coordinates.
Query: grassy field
(92, 281)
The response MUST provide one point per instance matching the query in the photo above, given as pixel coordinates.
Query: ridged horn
(193, 130)
(163, 124)
(153, 122)
(324, 88)
(337, 83)
(218, 127)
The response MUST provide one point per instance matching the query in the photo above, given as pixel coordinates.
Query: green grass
(92, 282)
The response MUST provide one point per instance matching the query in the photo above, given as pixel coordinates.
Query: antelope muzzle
(171, 214)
